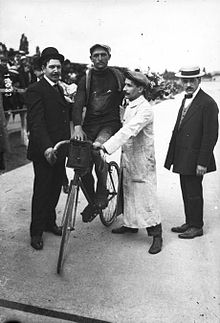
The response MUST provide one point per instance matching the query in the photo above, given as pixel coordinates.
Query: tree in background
(37, 51)
(24, 44)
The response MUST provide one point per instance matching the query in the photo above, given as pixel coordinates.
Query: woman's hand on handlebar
(78, 133)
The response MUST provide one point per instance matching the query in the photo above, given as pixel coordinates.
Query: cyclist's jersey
(101, 93)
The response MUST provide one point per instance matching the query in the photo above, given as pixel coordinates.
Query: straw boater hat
(50, 53)
(189, 72)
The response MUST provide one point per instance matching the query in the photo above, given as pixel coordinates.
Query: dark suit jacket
(193, 143)
(47, 118)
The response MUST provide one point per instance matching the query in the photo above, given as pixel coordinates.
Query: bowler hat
(105, 47)
(137, 77)
(189, 72)
(50, 53)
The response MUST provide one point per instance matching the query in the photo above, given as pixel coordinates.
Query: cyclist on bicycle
(100, 91)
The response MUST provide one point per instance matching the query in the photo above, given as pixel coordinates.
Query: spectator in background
(4, 141)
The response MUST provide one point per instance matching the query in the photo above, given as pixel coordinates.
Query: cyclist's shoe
(101, 199)
(89, 213)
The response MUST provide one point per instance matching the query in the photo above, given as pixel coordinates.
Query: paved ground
(108, 278)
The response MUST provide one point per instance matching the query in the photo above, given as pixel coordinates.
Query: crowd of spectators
(18, 71)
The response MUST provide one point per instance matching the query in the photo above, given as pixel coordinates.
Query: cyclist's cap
(105, 47)
(137, 77)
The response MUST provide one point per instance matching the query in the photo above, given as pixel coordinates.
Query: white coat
(138, 165)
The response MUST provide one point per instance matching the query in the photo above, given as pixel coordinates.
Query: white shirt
(189, 100)
(49, 81)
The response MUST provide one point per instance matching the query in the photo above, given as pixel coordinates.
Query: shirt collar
(194, 94)
(49, 81)
(136, 102)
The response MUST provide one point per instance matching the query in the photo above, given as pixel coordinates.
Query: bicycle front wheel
(108, 215)
(68, 223)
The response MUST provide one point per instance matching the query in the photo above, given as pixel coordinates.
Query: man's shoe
(89, 213)
(191, 233)
(37, 242)
(101, 199)
(124, 229)
(55, 230)
(181, 228)
(156, 245)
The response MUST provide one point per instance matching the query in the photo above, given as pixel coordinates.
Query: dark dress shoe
(55, 230)
(101, 199)
(191, 233)
(124, 229)
(156, 245)
(37, 242)
(181, 228)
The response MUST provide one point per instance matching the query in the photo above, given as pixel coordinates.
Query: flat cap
(138, 77)
(105, 47)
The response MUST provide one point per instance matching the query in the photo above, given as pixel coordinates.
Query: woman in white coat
(140, 205)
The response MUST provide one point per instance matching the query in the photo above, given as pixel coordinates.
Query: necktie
(188, 96)
(183, 107)
(58, 89)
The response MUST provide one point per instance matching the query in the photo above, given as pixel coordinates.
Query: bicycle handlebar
(64, 142)
(61, 143)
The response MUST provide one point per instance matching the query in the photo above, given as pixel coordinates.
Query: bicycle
(79, 157)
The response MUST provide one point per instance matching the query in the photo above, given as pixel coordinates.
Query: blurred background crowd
(18, 69)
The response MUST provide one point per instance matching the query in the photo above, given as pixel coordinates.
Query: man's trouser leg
(46, 192)
(101, 167)
(192, 193)
(155, 231)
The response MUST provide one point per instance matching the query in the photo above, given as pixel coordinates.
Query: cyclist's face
(100, 58)
(52, 70)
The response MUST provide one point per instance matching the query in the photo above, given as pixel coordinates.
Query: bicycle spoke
(108, 215)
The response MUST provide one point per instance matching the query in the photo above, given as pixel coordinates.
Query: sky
(160, 34)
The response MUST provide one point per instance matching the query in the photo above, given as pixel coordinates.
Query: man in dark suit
(191, 149)
(48, 123)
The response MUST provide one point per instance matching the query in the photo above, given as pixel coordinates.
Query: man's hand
(200, 170)
(78, 133)
(50, 155)
(97, 146)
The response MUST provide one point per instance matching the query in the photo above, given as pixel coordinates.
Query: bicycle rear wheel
(108, 215)
(68, 223)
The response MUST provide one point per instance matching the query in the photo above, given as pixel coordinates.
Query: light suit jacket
(138, 164)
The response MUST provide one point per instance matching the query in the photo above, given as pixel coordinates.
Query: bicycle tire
(108, 215)
(68, 219)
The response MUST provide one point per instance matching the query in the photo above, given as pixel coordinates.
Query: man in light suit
(191, 149)
(48, 123)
